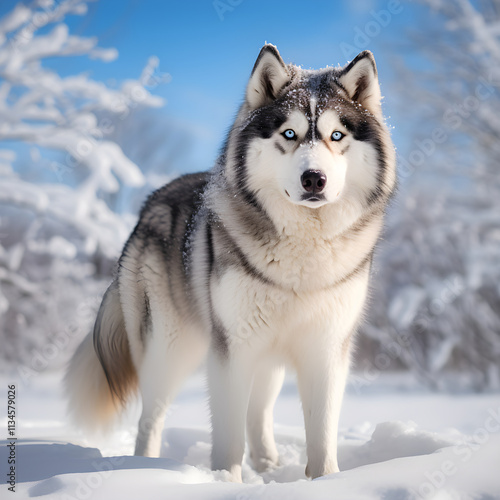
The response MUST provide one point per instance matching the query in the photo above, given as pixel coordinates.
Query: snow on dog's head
(313, 137)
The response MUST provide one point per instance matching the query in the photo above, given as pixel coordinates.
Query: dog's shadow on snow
(184, 449)
(39, 460)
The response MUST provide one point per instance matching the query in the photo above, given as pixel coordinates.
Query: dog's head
(314, 137)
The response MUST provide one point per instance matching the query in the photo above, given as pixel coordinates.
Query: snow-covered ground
(397, 441)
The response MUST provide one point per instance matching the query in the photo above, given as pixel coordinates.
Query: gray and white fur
(261, 263)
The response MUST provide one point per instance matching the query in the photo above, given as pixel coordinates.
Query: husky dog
(262, 262)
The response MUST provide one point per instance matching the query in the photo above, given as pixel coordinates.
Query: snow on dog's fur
(260, 263)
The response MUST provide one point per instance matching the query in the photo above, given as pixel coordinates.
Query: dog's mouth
(313, 197)
(311, 200)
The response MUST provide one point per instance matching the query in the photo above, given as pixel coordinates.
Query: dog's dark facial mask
(312, 137)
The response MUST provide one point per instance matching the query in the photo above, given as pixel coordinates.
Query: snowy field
(71, 147)
(397, 441)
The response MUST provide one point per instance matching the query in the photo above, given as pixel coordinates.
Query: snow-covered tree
(440, 264)
(58, 234)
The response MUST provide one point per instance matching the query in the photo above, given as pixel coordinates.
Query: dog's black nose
(313, 181)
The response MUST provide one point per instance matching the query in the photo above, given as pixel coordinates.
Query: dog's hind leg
(266, 387)
(168, 360)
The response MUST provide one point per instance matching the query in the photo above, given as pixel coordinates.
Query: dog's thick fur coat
(260, 263)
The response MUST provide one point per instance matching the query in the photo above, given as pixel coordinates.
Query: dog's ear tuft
(360, 80)
(269, 75)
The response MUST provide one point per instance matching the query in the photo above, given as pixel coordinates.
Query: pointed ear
(360, 80)
(269, 75)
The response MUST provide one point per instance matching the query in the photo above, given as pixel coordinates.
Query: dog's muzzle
(313, 182)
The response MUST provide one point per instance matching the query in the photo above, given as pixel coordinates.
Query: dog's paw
(265, 464)
(314, 472)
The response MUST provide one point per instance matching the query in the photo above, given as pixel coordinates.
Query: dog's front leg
(322, 373)
(230, 382)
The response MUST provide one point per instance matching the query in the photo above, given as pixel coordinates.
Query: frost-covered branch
(57, 230)
(440, 268)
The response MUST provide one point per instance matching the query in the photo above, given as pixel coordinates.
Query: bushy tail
(101, 375)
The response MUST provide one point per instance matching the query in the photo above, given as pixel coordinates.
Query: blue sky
(209, 48)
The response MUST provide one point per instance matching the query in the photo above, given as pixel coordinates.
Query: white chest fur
(257, 314)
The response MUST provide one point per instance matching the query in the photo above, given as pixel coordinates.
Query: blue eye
(289, 134)
(336, 136)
